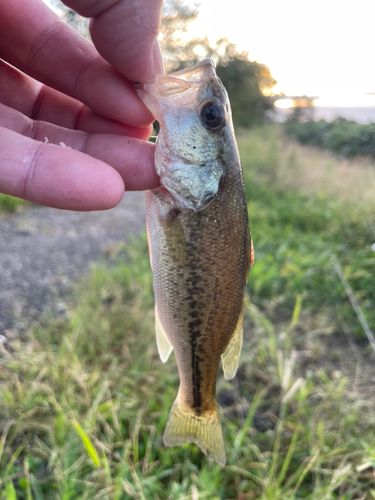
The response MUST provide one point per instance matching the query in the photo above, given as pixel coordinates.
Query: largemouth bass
(200, 246)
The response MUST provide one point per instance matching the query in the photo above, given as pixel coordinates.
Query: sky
(320, 48)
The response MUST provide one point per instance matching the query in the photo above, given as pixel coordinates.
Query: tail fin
(184, 426)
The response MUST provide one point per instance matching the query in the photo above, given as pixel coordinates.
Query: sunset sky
(323, 48)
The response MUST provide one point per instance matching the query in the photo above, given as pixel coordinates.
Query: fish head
(194, 114)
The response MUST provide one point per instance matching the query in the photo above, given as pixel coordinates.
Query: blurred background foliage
(343, 137)
(248, 82)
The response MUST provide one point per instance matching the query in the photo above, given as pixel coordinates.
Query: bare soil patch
(43, 251)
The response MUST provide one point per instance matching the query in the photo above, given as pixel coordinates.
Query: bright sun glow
(350, 100)
(284, 103)
(324, 49)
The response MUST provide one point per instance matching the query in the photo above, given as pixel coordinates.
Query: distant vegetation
(343, 137)
(85, 398)
(247, 82)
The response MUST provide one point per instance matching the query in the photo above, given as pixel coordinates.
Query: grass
(300, 222)
(9, 203)
(84, 399)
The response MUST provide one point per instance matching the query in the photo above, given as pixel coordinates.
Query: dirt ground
(44, 250)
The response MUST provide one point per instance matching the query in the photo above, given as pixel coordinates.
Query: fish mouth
(199, 73)
(180, 89)
(187, 81)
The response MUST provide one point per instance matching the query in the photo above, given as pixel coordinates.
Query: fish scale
(200, 247)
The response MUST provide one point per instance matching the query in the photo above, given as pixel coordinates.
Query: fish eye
(213, 115)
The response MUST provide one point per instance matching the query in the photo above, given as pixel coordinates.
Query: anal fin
(164, 346)
(231, 357)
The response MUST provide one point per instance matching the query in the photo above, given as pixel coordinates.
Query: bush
(343, 137)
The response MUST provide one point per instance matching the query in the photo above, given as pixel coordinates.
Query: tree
(247, 82)
(176, 17)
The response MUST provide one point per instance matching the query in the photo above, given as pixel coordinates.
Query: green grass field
(84, 400)
(9, 203)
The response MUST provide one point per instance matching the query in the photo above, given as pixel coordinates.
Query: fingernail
(158, 60)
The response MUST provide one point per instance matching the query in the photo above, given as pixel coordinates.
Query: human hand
(69, 92)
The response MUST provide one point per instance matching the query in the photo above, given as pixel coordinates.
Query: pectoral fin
(164, 346)
(231, 356)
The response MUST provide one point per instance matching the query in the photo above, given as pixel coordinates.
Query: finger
(124, 32)
(34, 40)
(133, 159)
(33, 99)
(54, 176)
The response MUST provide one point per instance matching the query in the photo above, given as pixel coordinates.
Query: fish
(200, 246)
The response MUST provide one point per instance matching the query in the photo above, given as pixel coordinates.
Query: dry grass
(310, 170)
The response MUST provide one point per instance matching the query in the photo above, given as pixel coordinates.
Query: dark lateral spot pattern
(199, 262)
